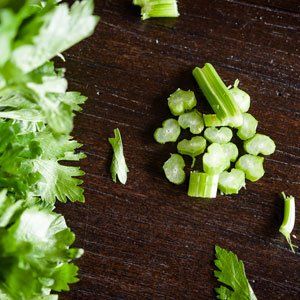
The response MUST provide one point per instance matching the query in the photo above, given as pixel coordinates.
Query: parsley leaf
(232, 274)
(118, 165)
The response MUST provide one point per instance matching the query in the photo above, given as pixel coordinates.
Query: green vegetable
(192, 120)
(241, 98)
(231, 182)
(217, 94)
(193, 147)
(174, 169)
(288, 222)
(211, 120)
(260, 144)
(118, 165)
(157, 8)
(169, 132)
(215, 160)
(181, 101)
(248, 128)
(231, 151)
(231, 273)
(215, 135)
(252, 166)
(203, 185)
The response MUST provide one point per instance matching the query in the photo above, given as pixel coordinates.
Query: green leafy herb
(231, 273)
(118, 165)
(288, 222)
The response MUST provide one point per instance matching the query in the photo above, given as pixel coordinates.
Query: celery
(248, 128)
(288, 222)
(217, 94)
(215, 160)
(215, 135)
(192, 120)
(157, 8)
(231, 182)
(203, 185)
(231, 151)
(260, 144)
(174, 169)
(211, 120)
(169, 132)
(241, 98)
(252, 166)
(193, 147)
(181, 101)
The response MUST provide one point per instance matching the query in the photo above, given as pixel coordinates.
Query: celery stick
(192, 120)
(217, 94)
(181, 101)
(174, 169)
(203, 185)
(260, 144)
(248, 128)
(231, 182)
(252, 166)
(169, 132)
(215, 160)
(215, 135)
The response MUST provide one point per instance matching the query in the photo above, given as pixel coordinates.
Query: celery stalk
(217, 94)
(203, 185)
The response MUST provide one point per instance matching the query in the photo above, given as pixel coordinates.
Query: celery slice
(231, 151)
(193, 147)
(215, 160)
(217, 94)
(248, 129)
(231, 182)
(260, 144)
(203, 185)
(181, 101)
(215, 135)
(192, 120)
(252, 166)
(288, 222)
(169, 132)
(211, 120)
(241, 98)
(157, 8)
(174, 169)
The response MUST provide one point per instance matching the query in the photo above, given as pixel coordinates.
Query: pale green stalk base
(203, 185)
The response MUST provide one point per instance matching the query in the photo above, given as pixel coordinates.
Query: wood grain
(148, 240)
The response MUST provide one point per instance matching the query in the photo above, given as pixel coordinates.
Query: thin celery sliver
(217, 94)
(203, 185)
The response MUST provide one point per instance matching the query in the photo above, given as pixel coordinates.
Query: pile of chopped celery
(217, 163)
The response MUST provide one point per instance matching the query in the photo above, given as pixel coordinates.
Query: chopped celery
(248, 128)
(169, 132)
(231, 151)
(192, 120)
(260, 144)
(211, 120)
(288, 222)
(173, 169)
(241, 98)
(252, 166)
(157, 8)
(181, 101)
(203, 185)
(217, 94)
(231, 182)
(193, 147)
(215, 135)
(215, 160)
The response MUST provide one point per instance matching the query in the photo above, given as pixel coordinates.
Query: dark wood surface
(147, 239)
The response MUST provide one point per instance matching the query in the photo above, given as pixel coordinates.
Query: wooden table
(148, 239)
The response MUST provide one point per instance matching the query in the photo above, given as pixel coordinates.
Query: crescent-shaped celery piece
(215, 160)
(248, 129)
(203, 185)
(181, 101)
(231, 182)
(260, 144)
(174, 169)
(241, 98)
(221, 136)
(169, 132)
(192, 120)
(252, 166)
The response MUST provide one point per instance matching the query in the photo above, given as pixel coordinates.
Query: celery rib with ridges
(203, 185)
(217, 94)
(157, 8)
